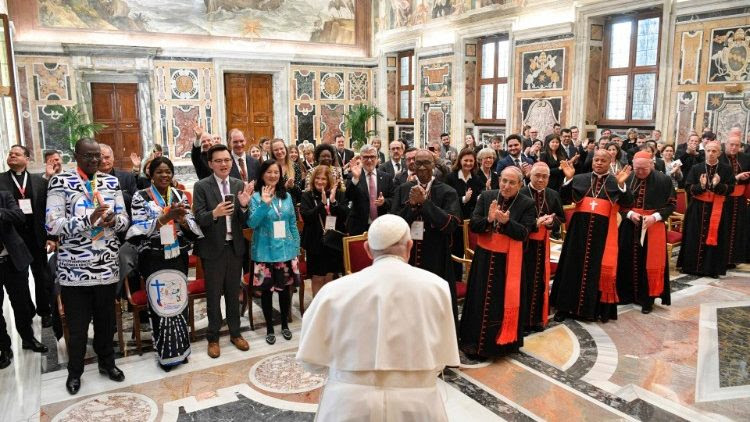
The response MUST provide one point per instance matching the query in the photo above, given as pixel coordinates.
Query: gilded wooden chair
(355, 257)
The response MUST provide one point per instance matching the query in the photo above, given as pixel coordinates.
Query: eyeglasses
(224, 161)
(369, 157)
(91, 156)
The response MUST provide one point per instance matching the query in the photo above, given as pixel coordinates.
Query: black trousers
(223, 276)
(44, 287)
(16, 283)
(83, 303)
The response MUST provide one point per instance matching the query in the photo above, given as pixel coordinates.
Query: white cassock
(384, 334)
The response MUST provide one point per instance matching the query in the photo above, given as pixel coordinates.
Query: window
(630, 70)
(492, 80)
(406, 87)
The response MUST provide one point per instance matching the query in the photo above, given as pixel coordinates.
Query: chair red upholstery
(355, 257)
(569, 210)
(193, 261)
(139, 297)
(189, 196)
(460, 289)
(681, 201)
(197, 286)
(552, 268)
(673, 236)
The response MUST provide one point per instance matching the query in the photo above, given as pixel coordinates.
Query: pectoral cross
(593, 204)
(158, 285)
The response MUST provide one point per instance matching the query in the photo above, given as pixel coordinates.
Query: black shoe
(560, 316)
(5, 358)
(605, 319)
(114, 373)
(34, 345)
(286, 334)
(270, 338)
(73, 384)
(46, 321)
(647, 309)
(166, 368)
(537, 328)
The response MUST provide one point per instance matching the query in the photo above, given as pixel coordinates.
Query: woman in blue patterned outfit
(163, 229)
(275, 245)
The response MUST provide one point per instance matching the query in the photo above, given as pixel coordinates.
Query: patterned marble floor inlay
(283, 374)
(734, 345)
(113, 407)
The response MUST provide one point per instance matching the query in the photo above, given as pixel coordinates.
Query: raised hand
(198, 129)
(355, 167)
(467, 197)
(622, 175)
(49, 170)
(332, 195)
(567, 169)
(492, 214)
(267, 194)
(244, 195)
(289, 183)
(135, 159)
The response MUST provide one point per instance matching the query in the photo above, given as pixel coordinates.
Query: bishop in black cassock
(736, 202)
(492, 321)
(584, 283)
(643, 267)
(431, 209)
(549, 215)
(704, 249)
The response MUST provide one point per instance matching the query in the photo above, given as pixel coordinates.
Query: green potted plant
(356, 122)
(73, 121)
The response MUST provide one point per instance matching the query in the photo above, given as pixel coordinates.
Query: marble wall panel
(392, 94)
(730, 55)
(51, 81)
(304, 85)
(687, 103)
(541, 113)
(331, 121)
(592, 87)
(358, 86)
(436, 79)
(304, 128)
(725, 111)
(543, 70)
(434, 120)
(690, 57)
(53, 137)
(332, 86)
(183, 121)
(23, 97)
(470, 70)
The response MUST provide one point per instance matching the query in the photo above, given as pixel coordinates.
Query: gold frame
(347, 258)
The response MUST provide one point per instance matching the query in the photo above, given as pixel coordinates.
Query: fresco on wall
(730, 55)
(436, 79)
(401, 13)
(543, 70)
(328, 21)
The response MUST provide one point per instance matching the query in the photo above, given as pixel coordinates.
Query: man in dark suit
(408, 174)
(343, 154)
(370, 191)
(567, 144)
(396, 162)
(14, 277)
(127, 181)
(514, 157)
(223, 247)
(203, 141)
(244, 167)
(30, 192)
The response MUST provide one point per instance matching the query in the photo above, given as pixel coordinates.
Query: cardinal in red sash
(643, 264)
(584, 284)
(736, 202)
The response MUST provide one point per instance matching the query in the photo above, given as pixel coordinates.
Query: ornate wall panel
(44, 81)
(690, 57)
(685, 116)
(435, 119)
(435, 97)
(543, 81)
(321, 95)
(724, 111)
(730, 55)
(436, 80)
(470, 70)
(184, 96)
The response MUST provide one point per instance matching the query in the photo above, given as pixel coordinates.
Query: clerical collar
(388, 256)
(19, 173)
(712, 165)
(600, 175)
(428, 185)
(530, 186)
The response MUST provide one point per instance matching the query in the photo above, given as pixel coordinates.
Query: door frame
(279, 72)
(140, 78)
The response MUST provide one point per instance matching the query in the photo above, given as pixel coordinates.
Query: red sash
(713, 226)
(657, 254)
(739, 190)
(543, 235)
(501, 243)
(608, 274)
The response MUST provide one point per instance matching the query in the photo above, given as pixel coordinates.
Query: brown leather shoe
(240, 343)
(214, 350)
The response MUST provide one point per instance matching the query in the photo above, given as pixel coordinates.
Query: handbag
(332, 238)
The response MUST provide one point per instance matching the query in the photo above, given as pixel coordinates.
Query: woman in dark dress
(485, 173)
(162, 213)
(291, 174)
(320, 206)
(552, 156)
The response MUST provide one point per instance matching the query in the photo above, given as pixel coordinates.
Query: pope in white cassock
(383, 334)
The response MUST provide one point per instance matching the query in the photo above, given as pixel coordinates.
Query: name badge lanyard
(94, 198)
(22, 189)
(172, 249)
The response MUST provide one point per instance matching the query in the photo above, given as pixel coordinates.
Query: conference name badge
(330, 222)
(279, 229)
(417, 230)
(25, 205)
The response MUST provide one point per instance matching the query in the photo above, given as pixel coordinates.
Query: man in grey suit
(223, 247)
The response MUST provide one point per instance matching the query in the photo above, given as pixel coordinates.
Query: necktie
(518, 162)
(373, 196)
(398, 167)
(243, 170)
(225, 191)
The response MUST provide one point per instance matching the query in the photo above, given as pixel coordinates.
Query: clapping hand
(289, 183)
(417, 195)
(703, 181)
(716, 179)
(332, 195)
(355, 167)
(244, 195)
(96, 217)
(526, 169)
(743, 176)
(380, 201)
(492, 214)
(622, 175)
(176, 212)
(488, 185)
(49, 170)
(467, 196)
(503, 217)
(267, 194)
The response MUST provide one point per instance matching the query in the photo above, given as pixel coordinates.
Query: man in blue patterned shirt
(85, 208)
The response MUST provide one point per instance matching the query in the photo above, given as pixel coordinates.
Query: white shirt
(219, 183)
(395, 168)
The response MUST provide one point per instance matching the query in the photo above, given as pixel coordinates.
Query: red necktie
(243, 170)
(373, 196)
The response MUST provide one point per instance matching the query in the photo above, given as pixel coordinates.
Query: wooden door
(249, 105)
(116, 105)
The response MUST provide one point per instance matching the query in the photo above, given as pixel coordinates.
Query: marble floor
(688, 361)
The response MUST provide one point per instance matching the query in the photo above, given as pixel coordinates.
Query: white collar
(220, 180)
(237, 157)
(388, 256)
(461, 176)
